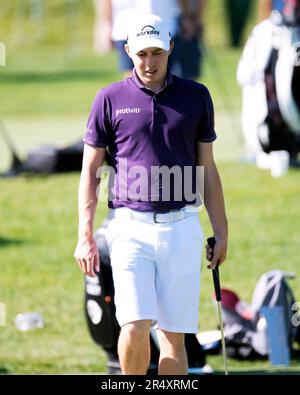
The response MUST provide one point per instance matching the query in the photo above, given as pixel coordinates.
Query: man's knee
(137, 331)
(170, 340)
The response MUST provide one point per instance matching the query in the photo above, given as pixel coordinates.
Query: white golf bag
(269, 73)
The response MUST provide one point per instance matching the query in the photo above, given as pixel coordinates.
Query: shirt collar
(137, 81)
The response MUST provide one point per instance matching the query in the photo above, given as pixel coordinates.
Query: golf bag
(269, 72)
(245, 326)
(101, 320)
(50, 159)
(46, 159)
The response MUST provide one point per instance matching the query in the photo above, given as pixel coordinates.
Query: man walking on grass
(153, 123)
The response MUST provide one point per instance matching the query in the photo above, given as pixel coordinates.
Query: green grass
(46, 92)
(38, 235)
(39, 274)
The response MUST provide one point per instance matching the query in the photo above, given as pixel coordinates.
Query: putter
(211, 241)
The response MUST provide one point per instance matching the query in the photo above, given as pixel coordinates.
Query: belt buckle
(155, 218)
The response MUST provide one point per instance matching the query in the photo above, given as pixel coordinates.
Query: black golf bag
(50, 159)
(47, 159)
(103, 327)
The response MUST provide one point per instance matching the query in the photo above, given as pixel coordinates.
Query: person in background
(186, 59)
(110, 30)
(237, 13)
(265, 7)
(184, 20)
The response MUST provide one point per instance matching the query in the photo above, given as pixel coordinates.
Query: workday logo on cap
(148, 30)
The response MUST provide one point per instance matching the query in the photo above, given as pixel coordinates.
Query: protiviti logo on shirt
(148, 29)
(134, 110)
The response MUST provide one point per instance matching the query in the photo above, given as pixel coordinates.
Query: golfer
(152, 122)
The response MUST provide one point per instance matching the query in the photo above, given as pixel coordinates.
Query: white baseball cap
(148, 31)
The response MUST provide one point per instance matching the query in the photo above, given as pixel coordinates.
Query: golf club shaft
(222, 338)
(211, 241)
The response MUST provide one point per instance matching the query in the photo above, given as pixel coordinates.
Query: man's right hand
(87, 256)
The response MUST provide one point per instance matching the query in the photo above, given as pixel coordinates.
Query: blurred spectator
(186, 59)
(237, 12)
(184, 18)
(110, 31)
(265, 7)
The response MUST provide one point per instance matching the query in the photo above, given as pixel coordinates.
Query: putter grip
(211, 241)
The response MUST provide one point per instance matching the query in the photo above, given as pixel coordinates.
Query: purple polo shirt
(146, 133)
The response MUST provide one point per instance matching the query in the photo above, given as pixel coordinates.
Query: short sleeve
(98, 125)
(206, 126)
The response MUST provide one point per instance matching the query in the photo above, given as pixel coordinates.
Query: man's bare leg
(134, 347)
(173, 357)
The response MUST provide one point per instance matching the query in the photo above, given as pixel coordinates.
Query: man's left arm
(214, 203)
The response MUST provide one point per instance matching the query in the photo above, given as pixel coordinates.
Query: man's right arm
(86, 252)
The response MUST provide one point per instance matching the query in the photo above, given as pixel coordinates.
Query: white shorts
(156, 268)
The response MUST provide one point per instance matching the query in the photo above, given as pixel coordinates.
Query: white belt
(150, 216)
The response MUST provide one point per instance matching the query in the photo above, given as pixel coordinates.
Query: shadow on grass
(267, 369)
(261, 372)
(4, 370)
(57, 76)
(6, 242)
